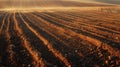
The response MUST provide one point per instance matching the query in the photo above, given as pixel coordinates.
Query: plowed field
(57, 38)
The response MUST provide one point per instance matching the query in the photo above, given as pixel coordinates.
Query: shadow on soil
(3, 48)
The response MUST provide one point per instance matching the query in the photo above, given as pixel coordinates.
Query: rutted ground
(60, 39)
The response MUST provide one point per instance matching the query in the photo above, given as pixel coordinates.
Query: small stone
(106, 62)
(69, 66)
(76, 51)
(29, 65)
(116, 38)
(109, 57)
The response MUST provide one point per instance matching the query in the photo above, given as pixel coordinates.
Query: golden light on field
(40, 5)
(23, 4)
(59, 33)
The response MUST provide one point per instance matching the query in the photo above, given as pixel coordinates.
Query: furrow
(38, 61)
(88, 50)
(86, 31)
(15, 51)
(3, 23)
(48, 44)
(39, 45)
(96, 42)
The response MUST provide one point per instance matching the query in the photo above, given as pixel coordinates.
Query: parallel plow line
(37, 59)
(65, 46)
(3, 23)
(50, 25)
(96, 42)
(48, 44)
(84, 29)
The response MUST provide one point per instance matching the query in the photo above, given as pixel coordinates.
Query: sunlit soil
(60, 37)
(53, 9)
